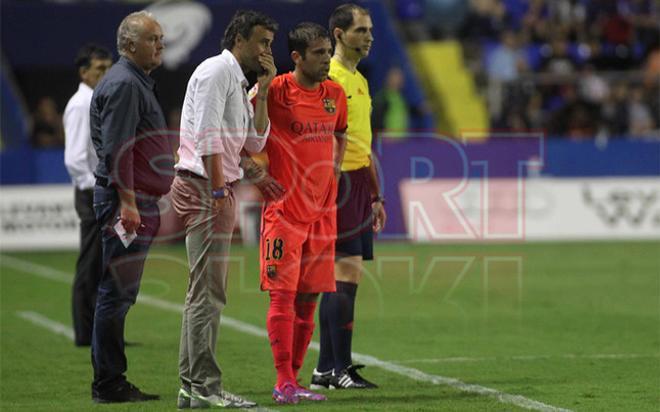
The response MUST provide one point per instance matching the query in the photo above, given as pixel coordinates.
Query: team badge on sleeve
(329, 105)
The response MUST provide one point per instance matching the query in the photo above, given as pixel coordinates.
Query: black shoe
(126, 392)
(320, 380)
(350, 379)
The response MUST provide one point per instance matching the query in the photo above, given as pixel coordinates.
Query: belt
(140, 195)
(101, 181)
(190, 175)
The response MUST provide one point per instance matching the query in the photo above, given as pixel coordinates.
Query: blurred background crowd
(578, 69)
(575, 68)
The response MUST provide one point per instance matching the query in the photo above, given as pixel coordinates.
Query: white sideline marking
(415, 374)
(53, 326)
(66, 331)
(461, 359)
(35, 269)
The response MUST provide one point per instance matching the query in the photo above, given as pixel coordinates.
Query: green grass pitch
(567, 325)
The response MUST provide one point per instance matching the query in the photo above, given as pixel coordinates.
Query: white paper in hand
(126, 238)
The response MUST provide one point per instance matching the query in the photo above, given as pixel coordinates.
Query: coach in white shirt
(217, 121)
(80, 160)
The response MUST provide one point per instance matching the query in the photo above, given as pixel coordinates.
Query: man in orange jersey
(308, 113)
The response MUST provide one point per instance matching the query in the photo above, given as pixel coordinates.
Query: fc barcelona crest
(329, 105)
(271, 271)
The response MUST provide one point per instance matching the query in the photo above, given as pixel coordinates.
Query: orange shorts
(297, 257)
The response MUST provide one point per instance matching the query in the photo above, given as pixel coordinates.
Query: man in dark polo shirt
(135, 168)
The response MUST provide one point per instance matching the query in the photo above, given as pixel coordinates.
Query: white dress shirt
(217, 117)
(79, 155)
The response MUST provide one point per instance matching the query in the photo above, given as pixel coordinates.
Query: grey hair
(129, 29)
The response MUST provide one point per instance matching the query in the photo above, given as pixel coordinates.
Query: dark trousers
(88, 268)
(120, 283)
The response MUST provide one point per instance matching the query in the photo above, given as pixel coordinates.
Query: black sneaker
(320, 380)
(349, 378)
(126, 392)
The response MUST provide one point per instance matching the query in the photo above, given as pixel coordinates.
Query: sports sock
(340, 318)
(326, 357)
(303, 329)
(279, 324)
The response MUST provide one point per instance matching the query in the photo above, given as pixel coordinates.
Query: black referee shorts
(354, 216)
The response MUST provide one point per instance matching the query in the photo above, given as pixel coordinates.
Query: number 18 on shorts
(297, 257)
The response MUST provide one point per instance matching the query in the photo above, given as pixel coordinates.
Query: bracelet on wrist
(221, 192)
(378, 198)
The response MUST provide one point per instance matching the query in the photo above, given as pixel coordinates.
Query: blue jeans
(119, 286)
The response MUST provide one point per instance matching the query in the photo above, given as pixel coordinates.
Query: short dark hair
(91, 51)
(303, 34)
(242, 23)
(342, 17)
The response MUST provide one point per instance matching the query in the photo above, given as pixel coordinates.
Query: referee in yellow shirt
(360, 210)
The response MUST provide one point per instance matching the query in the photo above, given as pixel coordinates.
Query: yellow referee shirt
(356, 88)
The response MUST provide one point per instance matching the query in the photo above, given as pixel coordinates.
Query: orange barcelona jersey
(300, 146)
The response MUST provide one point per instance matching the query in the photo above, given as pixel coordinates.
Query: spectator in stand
(486, 19)
(411, 16)
(577, 119)
(514, 118)
(596, 56)
(616, 34)
(640, 120)
(535, 21)
(643, 15)
(48, 131)
(446, 17)
(556, 59)
(391, 112)
(507, 60)
(592, 87)
(534, 112)
(615, 110)
(504, 67)
(556, 62)
(515, 11)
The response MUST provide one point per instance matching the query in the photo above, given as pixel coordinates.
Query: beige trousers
(208, 237)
